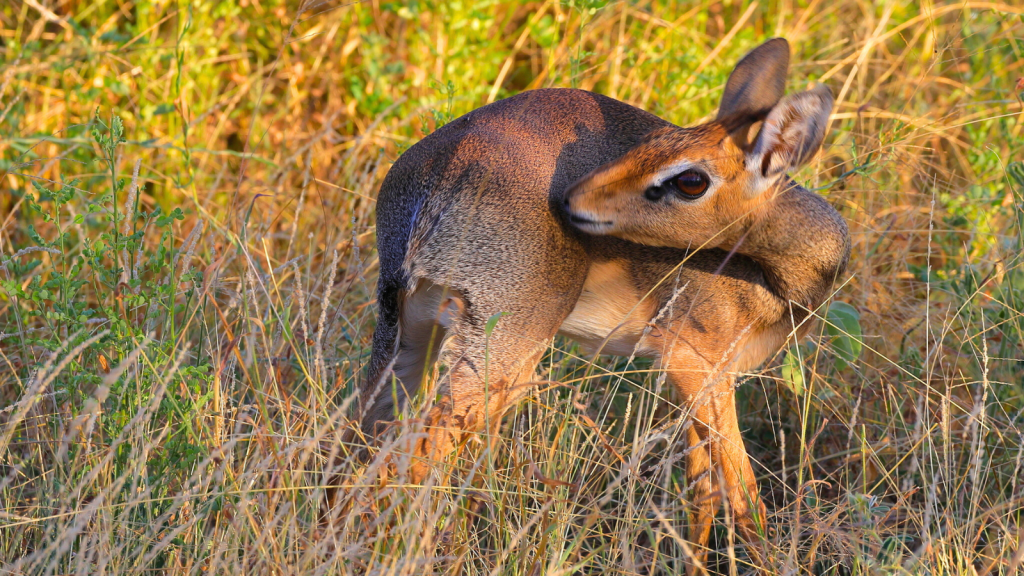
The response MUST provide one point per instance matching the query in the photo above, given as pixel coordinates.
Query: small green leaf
(792, 372)
(176, 214)
(843, 325)
(811, 500)
(492, 322)
(115, 37)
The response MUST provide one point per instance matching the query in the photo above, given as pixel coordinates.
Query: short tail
(385, 336)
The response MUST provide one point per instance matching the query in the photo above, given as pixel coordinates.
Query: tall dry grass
(175, 385)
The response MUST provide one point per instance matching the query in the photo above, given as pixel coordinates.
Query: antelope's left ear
(791, 134)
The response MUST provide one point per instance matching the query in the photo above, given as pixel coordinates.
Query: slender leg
(468, 405)
(705, 500)
(482, 373)
(716, 448)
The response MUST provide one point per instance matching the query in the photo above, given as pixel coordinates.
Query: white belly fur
(609, 309)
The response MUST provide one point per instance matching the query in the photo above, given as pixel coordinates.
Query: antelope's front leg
(717, 456)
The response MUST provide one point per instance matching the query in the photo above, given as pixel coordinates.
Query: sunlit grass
(187, 272)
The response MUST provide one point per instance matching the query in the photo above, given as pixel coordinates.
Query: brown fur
(490, 215)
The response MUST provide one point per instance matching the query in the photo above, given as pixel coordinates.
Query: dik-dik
(570, 213)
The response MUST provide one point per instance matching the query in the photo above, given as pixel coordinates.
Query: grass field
(187, 274)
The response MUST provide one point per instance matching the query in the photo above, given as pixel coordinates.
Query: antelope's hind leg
(423, 316)
(483, 375)
(480, 375)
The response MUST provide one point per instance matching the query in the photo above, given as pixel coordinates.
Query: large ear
(791, 134)
(756, 84)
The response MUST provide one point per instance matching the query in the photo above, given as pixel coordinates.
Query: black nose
(565, 201)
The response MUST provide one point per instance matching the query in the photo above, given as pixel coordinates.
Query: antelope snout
(574, 205)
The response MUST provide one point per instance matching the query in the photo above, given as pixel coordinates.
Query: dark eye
(692, 184)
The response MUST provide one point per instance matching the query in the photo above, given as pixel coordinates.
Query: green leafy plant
(842, 323)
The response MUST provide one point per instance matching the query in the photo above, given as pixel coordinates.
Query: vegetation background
(187, 269)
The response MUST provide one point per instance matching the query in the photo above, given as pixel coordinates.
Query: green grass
(187, 270)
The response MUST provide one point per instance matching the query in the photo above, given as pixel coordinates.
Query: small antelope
(571, 213)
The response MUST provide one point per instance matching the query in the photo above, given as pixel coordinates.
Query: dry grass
(174, 387)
